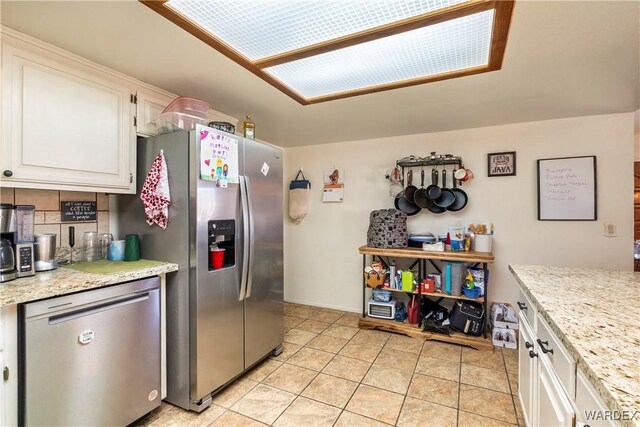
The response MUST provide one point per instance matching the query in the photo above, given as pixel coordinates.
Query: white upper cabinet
(150, 103)
(67, 124)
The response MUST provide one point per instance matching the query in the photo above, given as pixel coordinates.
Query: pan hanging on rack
(404, 205)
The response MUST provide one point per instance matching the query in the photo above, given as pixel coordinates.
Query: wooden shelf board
(432, 294)
(464, 256)
(414, 331)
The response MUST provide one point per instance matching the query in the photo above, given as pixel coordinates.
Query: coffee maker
(16, 241)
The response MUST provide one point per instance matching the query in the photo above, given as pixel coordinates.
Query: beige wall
(322, 264)
(636, 118)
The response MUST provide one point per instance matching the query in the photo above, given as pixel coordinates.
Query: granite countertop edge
(63, 281)
(604, 392)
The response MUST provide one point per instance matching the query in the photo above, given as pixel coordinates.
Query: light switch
(610, 229)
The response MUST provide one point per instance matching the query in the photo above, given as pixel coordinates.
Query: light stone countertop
(63, 281)
(596, 315)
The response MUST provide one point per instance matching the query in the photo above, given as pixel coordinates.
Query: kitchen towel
(155, 195)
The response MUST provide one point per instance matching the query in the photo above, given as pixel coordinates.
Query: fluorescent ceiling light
(261, 28)
(454, 45)
(319, 50)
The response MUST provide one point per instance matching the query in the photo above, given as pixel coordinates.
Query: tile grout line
(360, 383)
(459, 390)
(406, 394)
(318, 373)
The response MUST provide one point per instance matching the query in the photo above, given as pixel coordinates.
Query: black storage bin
(387, 229)
(467, 317)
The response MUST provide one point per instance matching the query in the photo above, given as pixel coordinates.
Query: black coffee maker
(16, 241)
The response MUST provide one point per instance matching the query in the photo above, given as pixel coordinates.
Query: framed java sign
(501, 164)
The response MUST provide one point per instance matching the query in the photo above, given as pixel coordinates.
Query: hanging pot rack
(432, 160)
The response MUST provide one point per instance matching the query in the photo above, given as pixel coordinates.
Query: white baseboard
(316, 304)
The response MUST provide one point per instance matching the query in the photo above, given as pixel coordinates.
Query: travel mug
(131, 247)
(116, 251)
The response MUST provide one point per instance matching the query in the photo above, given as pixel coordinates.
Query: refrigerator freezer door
(264, 305)
(217, 348)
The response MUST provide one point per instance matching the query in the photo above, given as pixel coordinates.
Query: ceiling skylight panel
(262, 28)
(454, 45)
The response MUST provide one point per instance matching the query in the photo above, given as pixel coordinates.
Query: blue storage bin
(381, 296)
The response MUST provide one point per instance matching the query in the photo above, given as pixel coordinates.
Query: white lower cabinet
(544, 400)
(9, 365)
(66, 123)
(590, 409)
(553, 407)
(526, 371)
(552, 390)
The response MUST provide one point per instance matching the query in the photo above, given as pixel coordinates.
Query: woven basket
(373, 279)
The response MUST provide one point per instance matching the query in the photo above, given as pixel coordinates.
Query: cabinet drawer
(588, 402)
(528, 309)
(562, 362)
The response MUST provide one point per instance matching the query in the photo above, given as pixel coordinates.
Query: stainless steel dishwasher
(92, 358)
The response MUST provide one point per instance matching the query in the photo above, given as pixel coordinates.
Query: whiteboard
(567, 189)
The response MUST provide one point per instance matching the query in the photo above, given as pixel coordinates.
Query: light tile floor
(333, 374)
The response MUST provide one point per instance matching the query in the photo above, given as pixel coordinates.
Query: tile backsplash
(47, 218)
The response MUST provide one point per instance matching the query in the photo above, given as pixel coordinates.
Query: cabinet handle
(522, 305)
(7, 173)
(527, 344)
(532, 354)
(5, 373)
(542, 344)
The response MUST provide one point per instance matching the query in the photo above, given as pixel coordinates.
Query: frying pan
(435, 208)
(447, 196)
(461, 198)
(420, 198)
(411, 189)
(404, 205)
(433, 191)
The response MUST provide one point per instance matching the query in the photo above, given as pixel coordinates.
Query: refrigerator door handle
(245, 237)
(251, 236)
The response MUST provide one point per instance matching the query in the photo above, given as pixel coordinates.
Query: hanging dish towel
(299, 191)
(155, 193)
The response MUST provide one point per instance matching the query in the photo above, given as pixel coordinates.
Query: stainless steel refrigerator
(220, 322)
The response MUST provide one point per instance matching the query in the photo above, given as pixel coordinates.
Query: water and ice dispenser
(222, 247)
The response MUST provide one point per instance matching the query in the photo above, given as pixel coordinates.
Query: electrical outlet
(610, 229)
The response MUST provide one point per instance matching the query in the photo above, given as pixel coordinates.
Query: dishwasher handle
(97, 308)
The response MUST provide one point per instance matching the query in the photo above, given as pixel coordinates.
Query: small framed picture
(501, 164)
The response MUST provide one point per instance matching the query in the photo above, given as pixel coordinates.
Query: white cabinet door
(66, 124)
(9, 360)
(148, 106)
(526, 370)
(554, 408)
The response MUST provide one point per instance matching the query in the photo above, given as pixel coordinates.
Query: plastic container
(482, 242)
(191, 106)
(173, 122)
(381, 296)
(453, 274)
(471, 293)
